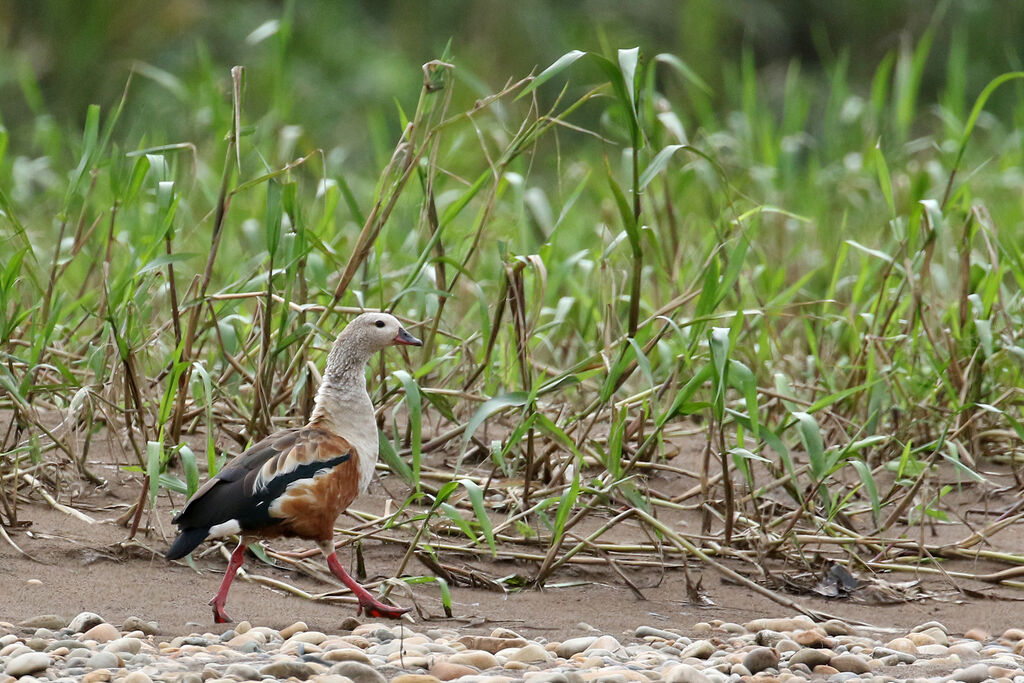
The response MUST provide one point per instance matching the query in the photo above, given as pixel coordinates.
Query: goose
(297, 481)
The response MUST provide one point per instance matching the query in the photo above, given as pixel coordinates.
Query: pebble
(50, 621)
(27, 663)
(85, 621)
(101, 633)
(289, 669)
(759, 659)
(783, 650)
(357, 672)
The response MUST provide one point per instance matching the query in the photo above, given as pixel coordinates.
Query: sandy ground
(75, 566)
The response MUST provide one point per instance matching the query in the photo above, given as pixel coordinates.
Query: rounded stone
(102, 633)
(475, 658)
(811, 638)
(85, 621)
(834, 627)
(684, 673)
(289, 631)
(701, 649)
(132, 645)
(929, 625)
(977, 634)
(850, 662)
(608, 643)
(449, 671)
(811, 657)
(902, 645)
(97, 676)
(918, 638)
(149, 628)
(490, 643)
(772, 625)
(50, 621)
(104, 660)
(242, 671)
(545, 677)
(358, 672)
(309, 637)
(760, 658)
(288, 669)
(345, 654)
(650, 631)
(137, 677)
(567, 648)
(529, 653)
(767, 638)
(27, 663)
(976, 673)
(415, 678)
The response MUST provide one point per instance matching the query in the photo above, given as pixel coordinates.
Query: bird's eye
(379, 323)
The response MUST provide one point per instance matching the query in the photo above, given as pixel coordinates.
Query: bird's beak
(406, 339)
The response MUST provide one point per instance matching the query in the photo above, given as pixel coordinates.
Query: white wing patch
(227, 528)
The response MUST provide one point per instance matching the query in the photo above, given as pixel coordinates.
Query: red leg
(237, 557)
(367, 603)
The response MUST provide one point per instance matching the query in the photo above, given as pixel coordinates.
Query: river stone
(608, 643)
(345, 654)
(684, 673)
(701, 649)
(902, 645)
(978, 634)
(449, 671)
(97, 676)
(242, 671)
(645, 631)
(137, 677)
(132, 645)
(102, 633)
(544, 677)
(567, 648)
(976, 673)
(50, 621)
(760, 658)
(850, 662)
(834, 627)
(811, 657)
(289, 631)
(37, 644)
(475, 658)
(358, 672)
(490, 643)
(27, 663)
(138, 624)
(85, 621)
(902, 657)
(528, 654)
(69, 643)
(104, 660)
(288, 669)
(415, 678)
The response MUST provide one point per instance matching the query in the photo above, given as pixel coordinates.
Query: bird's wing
(244, 489)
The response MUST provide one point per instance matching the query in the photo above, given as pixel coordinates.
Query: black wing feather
(231, 494)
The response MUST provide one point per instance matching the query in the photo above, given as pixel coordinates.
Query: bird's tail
(187, 541)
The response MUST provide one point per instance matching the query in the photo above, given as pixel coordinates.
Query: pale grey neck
(343, 389)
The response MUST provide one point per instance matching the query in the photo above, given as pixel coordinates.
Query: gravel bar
(89, 649)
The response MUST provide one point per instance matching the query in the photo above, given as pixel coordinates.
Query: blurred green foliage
(340, 62)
